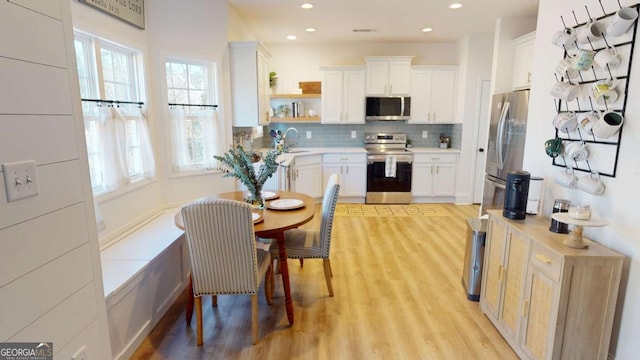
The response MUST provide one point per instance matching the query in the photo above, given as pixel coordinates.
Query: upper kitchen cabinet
(522, 60)
(343, 93)
(433, 94)
(388, 75)
(249, 83)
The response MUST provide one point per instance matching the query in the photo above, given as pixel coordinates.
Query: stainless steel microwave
(388, 108)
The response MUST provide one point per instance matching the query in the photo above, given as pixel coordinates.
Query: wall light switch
(308, 134)
(20, 180)
(354, 134)
(425, 134)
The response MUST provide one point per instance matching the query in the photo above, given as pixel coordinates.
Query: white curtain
(112, 132)
(212, 138)
(143, 139)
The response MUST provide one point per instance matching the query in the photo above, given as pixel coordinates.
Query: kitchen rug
(390, 210)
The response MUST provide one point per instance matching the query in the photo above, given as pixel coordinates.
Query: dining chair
(315, 244)
(224, 259)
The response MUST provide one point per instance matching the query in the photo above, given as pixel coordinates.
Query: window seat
(143, 273)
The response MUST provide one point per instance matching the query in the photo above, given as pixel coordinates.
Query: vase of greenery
(239, 163)
(273, 81)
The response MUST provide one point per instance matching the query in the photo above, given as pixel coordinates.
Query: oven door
(377, 179)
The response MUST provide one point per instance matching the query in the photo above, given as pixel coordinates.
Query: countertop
(286, 158)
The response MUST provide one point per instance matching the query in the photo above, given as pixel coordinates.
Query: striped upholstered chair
(224, 259)
(315, 244)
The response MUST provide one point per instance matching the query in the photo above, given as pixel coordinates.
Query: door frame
(483, 99)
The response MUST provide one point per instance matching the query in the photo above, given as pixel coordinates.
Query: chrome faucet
(284, 136)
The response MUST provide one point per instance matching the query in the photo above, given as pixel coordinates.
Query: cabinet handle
(437, 169)
(500, 268)
(391, 89)
(347, 169)
(543, 258)
(525, 308)
(529, 78)
(434, 116)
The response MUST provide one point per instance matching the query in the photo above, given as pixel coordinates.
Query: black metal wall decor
(592, 82)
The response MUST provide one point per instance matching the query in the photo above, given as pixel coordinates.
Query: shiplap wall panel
(44, 34)
(48, 8)
(56, 295)
(65, 321)
(90, 335)
(64, 233)
(60, 185)
(39, 291)
(29, 88)
(43, 138)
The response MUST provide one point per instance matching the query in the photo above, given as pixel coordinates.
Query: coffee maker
(516, 194)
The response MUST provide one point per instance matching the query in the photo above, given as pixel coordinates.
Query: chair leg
(268, 284)
(198, 305)
(327, 274)
(188, 314)
(254, 318)
(301, 262)
(214, 300)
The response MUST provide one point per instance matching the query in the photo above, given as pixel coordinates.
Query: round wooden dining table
(272, 226)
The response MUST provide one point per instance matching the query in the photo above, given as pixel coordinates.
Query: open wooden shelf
(288, 119)
(295, 96)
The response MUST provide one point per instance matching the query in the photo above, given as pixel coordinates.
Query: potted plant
(238, 163)
(273, 81)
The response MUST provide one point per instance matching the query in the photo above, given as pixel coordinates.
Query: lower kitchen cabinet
(549, 301)
(352, 169)
(434, 175)
(305, 175)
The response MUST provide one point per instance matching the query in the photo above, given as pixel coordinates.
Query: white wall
(50, 276)
(475, 65)
(619, 204)
(197, 31)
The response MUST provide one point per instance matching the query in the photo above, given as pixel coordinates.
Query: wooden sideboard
(547, 300)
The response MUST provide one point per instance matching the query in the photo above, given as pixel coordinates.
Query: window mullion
(98, 58)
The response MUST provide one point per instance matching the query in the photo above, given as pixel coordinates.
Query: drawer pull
(543, 258)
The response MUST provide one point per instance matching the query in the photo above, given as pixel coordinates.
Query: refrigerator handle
(500, 135)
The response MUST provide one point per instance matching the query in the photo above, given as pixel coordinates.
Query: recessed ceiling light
(427, 29)
(307, 6)
(455, 6)
(310, 29)
(291, 37)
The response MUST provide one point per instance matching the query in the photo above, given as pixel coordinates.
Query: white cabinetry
(352, 169)
(547, 300)
(342, 95)
(433, 94)
(249, 83)
(434, 176)
(305, 174)
(388, 75)
(523, 60)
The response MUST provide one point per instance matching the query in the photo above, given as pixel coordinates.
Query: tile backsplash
(340, 135)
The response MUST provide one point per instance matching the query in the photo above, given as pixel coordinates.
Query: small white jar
(580, 212)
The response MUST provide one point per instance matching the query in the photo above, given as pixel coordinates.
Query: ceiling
(389, 20)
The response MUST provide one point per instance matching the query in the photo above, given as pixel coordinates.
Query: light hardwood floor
(398, 295)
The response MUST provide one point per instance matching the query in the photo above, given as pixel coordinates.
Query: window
(195, 129)
(118, 144)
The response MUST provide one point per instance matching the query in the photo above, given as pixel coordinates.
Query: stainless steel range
(388, 169)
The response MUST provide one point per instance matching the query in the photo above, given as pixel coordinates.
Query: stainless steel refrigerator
(505, 148)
